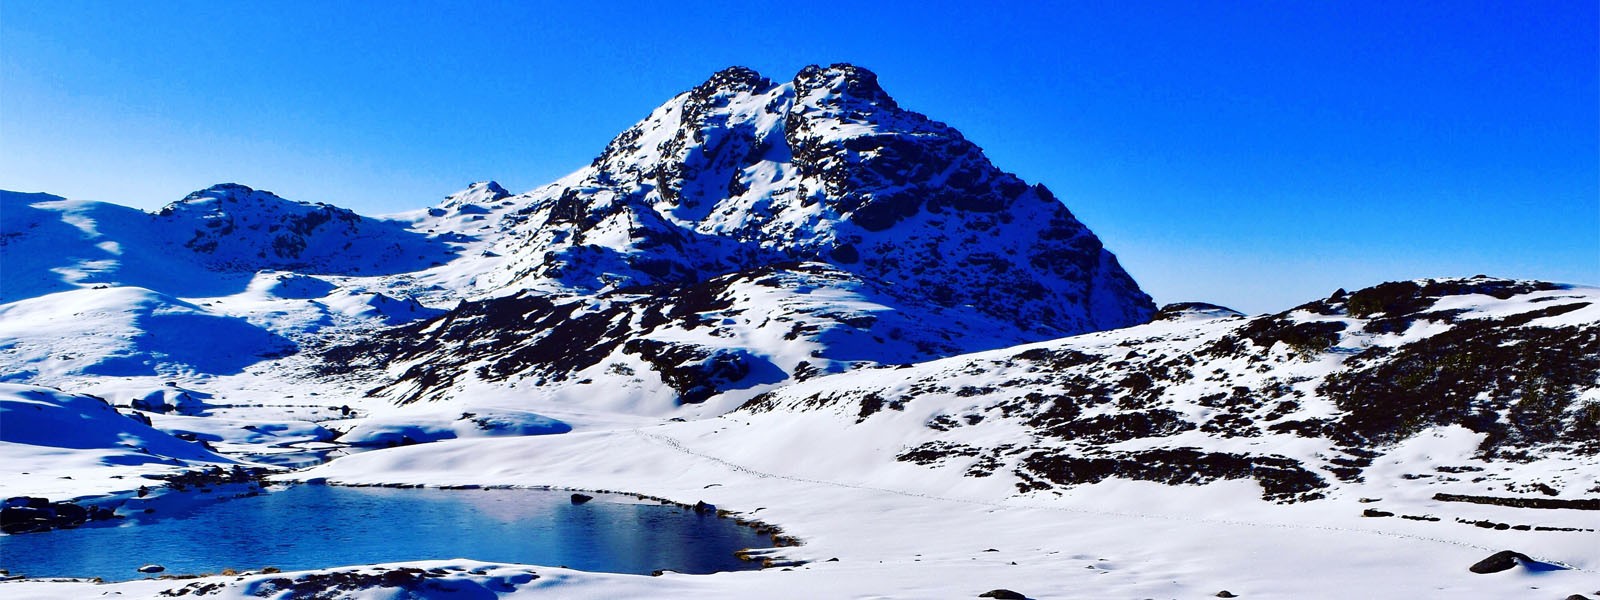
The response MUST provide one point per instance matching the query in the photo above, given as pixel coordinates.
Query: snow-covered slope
(48, 436)
(207, 244)
(1306, 403)
(223, 279)
(126, 331)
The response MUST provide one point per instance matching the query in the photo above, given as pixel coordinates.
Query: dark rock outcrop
(1499, 561)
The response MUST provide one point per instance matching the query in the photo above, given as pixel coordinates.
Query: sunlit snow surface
(903, 396)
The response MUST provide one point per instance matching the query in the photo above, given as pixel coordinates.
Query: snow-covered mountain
(748, 233)
(741, 173)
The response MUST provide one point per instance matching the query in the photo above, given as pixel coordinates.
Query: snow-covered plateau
(816, 310)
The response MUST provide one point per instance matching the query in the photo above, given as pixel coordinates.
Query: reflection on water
(307, 527)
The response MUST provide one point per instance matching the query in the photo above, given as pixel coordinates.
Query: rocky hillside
(1300, 401)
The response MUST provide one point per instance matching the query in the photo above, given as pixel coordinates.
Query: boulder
(1499, 561)
(27, 501)
(1003, 594)
(67, 514)
(152, 569)
(24, 519)
(581, 498)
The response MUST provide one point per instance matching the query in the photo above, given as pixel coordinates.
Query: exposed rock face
(24, 514)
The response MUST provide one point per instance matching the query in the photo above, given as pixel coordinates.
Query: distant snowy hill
(223, 279)
(233, 227)
(206, 245)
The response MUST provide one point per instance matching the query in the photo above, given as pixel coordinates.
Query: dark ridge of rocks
(1282, 479)
(1303, 338)
(24, 514)
(1487, 524)
(936, 452)
(1404, 297)
(1555, 503)
(199, 478)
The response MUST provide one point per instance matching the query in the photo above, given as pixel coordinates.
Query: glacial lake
(312, 527)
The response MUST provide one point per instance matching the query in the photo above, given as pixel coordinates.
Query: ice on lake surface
(307, 527)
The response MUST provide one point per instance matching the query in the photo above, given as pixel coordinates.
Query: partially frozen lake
(308, 527)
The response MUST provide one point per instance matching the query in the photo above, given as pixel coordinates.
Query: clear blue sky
(1254, 154)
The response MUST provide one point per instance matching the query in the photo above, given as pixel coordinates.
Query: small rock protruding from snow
(1499, 561)
(1003, 594)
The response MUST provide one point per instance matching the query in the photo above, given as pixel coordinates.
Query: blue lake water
(309, 527)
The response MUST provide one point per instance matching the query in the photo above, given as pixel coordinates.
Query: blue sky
(1254, 154)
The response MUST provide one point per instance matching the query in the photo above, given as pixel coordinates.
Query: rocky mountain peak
(732, 80)
(222, 191)
(842, 83)
(739, 172)
(490, 187)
